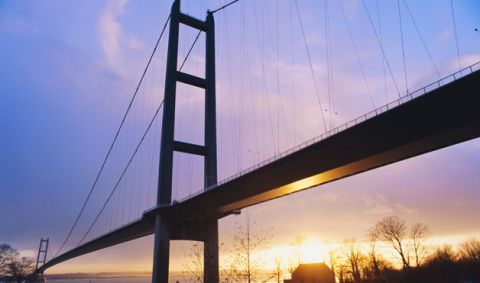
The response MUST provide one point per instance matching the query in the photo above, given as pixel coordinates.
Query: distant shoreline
(100, 275)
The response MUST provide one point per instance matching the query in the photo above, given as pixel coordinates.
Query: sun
(313, 251)
(309, 251)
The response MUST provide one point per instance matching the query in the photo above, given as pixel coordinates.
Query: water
(114, 280)
(124, 280)
(103, 280)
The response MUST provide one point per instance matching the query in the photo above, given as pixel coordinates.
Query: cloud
(113, 38)
(379, 205)
(452, 65)
(329, 197)
(470, 59)
(110, 30)
(376, 205)
(403, 209)
(57, 89)
(135, 43)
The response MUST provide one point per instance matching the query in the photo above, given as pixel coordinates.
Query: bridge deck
(442, 117)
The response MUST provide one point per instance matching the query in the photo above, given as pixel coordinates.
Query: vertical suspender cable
(311, 65)
(422, 39)
(114, 139)
(355, 49)
(127, 166)
(456, 34)
(381, 48)
(329, 59)
(403, 45)
(292, 62)
(380, 32)
(277, 63)
(265, 89)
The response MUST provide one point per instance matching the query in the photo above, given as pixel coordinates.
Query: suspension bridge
(411, 125)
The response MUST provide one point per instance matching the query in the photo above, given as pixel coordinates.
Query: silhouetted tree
(373, 255)
(377, 272)
(442, 255)
(418, 233)
(245, 264)
(393, 231)
(296, 259)
(470, 251)
(333, 259)
(354, 259)
(20, 268)
(194, 264)
(277, 272)
(7, 255)
(376, 266)
(441, 265)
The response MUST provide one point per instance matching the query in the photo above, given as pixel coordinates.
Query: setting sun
(313, 251)
(303, 251)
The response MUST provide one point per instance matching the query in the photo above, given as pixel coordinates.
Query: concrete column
(211, 262)
(161, 249)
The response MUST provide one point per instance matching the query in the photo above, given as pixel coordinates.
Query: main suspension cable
(223, 7)
(123, 173)
(114, 139)
(190, 50)
(132, 157)
(311, 65)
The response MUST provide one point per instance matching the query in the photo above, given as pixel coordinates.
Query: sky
(68, 71)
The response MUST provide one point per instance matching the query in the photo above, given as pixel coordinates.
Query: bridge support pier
(210, 252)
(210, 259)
(164, 225)
(161, 250)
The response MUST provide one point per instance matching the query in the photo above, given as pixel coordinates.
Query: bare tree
(441, 256)
(354, 259)
(393, 231)
(194, 264)
(20, 268)
(7, 255)
(333, 259)
(277, 272)
(373, 256)
(418, 233)
(470, 250)
(375, 266)
(297, 259)
(292, 265)
(245, 264)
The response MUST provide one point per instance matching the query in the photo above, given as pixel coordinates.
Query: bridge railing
(406, 98)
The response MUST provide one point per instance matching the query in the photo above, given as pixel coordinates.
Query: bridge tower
(42, 253)
(167, 224)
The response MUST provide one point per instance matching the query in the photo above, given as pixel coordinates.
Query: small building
(312, 273)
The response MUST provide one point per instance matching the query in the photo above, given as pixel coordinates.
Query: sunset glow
(313, 251)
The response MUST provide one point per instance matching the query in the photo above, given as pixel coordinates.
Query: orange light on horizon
(311, 250)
